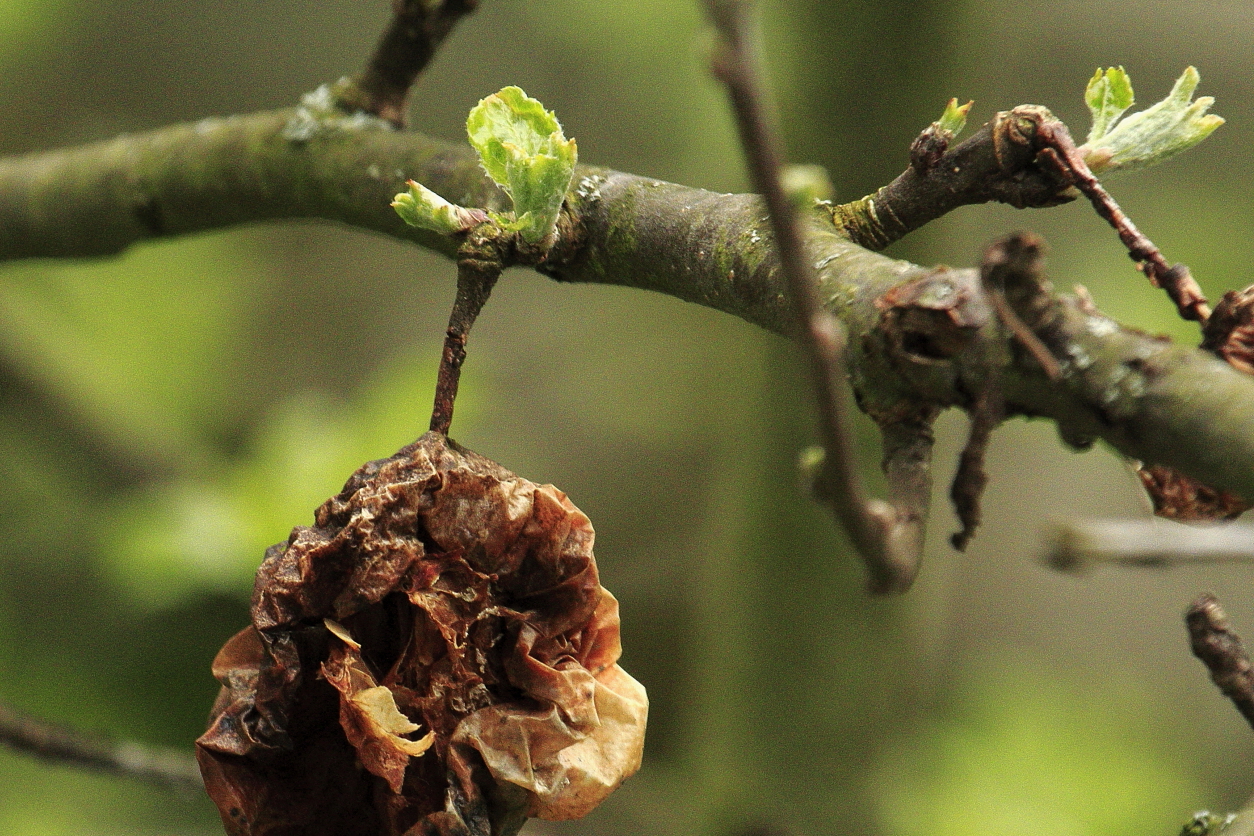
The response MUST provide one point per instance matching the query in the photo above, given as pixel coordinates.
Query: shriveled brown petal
(1229, 332)
(437, 590)
(370, 719)
(572, 755)
(1179, 497)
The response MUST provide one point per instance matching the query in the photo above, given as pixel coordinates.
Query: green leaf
(954, 119)
(1163, 130)
(425, 209)
(522, 148)
(1108, 95)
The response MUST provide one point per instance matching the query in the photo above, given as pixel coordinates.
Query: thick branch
(1151, 400)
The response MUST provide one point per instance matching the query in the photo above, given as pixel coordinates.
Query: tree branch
(169, 769)
(1223, 653)
(919, 339)
(995, 164)
(1076, 546)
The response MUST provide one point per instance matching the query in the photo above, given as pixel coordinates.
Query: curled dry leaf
(436, 592)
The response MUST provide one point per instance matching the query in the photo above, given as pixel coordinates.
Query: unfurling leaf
(1108, 95)
(1163, 130)
(523, 149)
(425, 209)
(933, 141)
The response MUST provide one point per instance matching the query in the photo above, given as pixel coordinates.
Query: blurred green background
(166, 415)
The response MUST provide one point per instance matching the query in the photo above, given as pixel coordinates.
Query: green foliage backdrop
(166, 415)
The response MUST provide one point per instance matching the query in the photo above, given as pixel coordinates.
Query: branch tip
(129, 759)
(1223, 653)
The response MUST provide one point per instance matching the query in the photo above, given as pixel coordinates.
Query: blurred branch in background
(1080, 545)
(174, 770)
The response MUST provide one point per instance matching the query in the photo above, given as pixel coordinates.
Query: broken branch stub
(435, 655)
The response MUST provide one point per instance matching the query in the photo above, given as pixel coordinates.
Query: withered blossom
(435, 655)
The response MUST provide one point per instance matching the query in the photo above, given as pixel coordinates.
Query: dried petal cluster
(1184, 499)
(435, 655)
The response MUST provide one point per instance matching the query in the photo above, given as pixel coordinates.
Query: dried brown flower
(437, 594)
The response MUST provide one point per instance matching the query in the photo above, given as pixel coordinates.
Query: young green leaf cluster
(522, 148)
(1163, 130)
(954, 119)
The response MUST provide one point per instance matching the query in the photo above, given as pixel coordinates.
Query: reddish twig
(1223, 653)
(1060, 152)
(479, 264)
(406, 47)
(889, 539)
(172, 770)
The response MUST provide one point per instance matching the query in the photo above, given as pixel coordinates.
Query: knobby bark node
(436, 594)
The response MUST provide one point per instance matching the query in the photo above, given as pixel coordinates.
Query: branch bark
(927, 348)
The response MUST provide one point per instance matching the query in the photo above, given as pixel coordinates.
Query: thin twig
(1060, 151)
(872, 525)
(1012, 262)
(479, 265)
(1223, 653)
(162, 767)
(1023, 334)
(406, 47)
